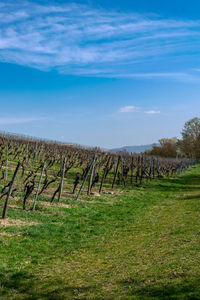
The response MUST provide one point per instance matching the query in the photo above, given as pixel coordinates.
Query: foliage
(167, 148)
(165, 141)
(190, 143)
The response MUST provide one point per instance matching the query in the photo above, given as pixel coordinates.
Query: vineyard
(82, 223)
(37, 171)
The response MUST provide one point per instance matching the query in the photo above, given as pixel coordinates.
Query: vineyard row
(33, 168)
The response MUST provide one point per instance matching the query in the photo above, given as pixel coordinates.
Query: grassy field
(142, 243)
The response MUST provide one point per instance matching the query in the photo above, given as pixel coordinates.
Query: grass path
(143, 246)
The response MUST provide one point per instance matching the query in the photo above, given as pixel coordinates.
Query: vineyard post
(85, 179)
(144, 170)
(6, 161)
(102, 180)
(32, 157)
(35, 156)
(150, 169)
(116, 172)
(180, 169)
(122, 170)
(132, 167)
(61, 161)
(91, 176)
(115, 166)
(27, 150)
(104, 175)
(61, 181)
(138, 169)
(153, 168)
(36, 195)
(9, 192)
(157, 168)
(141, 168)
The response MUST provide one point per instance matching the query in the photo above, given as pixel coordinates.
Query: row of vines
(33, 169)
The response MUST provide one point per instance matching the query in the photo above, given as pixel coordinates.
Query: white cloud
(77, 39)
(152, 112)
(128, 109)
(184, 77)
(131, 108)
(16, 120)
(151, 75)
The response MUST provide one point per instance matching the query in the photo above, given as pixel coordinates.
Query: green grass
(140, 244)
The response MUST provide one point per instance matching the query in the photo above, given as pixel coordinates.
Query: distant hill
(133, 149)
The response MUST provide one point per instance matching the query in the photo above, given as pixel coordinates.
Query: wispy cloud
(128, 109)
(152, 112)
(133, 109)
(16, 120)
(80, 40)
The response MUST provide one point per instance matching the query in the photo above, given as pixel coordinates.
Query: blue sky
(105, 73)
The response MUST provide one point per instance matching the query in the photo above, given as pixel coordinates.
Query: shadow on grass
(22, 285)
(188, 182)
(186, 290)
(190, 197)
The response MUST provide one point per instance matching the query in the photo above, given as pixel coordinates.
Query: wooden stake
(104, 175)
(122, 170)
(132, 170)
(38, 189)
(116, 172)
(138, 169)
(9, 192)
(61, 181)
(6, 161)
(102, 180)
(85, 180)
(153, 168)
(91, 176)
(141, 168)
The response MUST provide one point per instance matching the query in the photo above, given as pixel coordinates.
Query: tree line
(188, 146)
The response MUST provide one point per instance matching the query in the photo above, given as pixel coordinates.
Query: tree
(190, 144)
(167, 148)
(164, 141)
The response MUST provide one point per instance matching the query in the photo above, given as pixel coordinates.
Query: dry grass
(16, 222)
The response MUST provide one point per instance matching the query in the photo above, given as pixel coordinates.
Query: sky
(99, 73)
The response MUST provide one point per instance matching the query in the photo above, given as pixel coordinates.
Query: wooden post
(104, 174)
(157, 168)
(141, 168)
(153, 168)
(180, 169)
(35, 156)
(122, 170)
(116, 172)
(91, 176)
(85, 180)
(61, 162)
(102, 180)
(27, 151)
(61, 181)
(10, 191)
(138, 169)
(132, 170)
(150, 170)
(144, 170)
(38, 189)
(6, 161)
